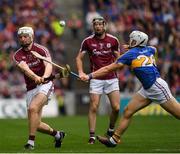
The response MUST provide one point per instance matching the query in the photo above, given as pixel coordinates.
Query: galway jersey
(101, 52)
(142, 62)
(35, 64)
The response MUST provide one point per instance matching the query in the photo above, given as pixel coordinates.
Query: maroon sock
(111, 126)
(53, 133)
(92, 134)
(32, 137)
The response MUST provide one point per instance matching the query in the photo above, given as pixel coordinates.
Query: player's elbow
(106, 70)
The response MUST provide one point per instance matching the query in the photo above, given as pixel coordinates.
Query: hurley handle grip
(50, 78)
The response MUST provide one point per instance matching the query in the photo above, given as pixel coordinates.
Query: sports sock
(112, 140)
(91, 134)
(111, 130)
(31, 140)
(57, 136)
(54, 132)
(116, 137)
(111, 126)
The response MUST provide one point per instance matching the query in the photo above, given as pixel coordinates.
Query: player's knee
(93, 108)
(177, 116)
(116, 108)
(32, 109)
(127, 112)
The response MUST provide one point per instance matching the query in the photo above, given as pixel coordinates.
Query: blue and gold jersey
(142, 62)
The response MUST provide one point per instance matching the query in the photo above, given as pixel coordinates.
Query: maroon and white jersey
(101, 52)
(35, 64)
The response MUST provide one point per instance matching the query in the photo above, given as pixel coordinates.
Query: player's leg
(33, 115)
(114, 98)
(34, 119)
(46, 129)
(94, 104)
(173, 107)
(111, 88)
(165, 98)
(95, 90)
(47, 90)
(137, 102)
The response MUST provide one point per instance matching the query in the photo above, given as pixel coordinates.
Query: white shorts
(159, 92)
(47, 89)
(103, 86)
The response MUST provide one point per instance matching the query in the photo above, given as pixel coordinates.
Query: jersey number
(146, 61)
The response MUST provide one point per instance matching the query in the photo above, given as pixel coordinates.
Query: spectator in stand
(74, 23)
(92, 13)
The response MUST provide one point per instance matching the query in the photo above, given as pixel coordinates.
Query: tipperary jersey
(142, 62)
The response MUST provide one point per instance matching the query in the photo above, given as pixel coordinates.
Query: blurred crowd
(160, 19)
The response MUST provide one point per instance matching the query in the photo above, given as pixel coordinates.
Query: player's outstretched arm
(107, 69)
(28, 72)
(103, 71)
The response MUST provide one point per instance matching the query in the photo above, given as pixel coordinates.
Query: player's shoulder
(112, 39)
(152, 48)
(87, 39)
(40, 49)
(39, 46)
(111, 36)
(18, 51)
(132, 52)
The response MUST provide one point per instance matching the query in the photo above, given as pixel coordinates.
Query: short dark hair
(99, 19)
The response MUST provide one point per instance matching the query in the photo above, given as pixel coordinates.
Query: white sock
(93, 137)
(57, 136)
(111, 130)
(112, 140)
(31, 142)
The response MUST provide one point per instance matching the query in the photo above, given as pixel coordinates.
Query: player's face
(99, 28)
(25, 40)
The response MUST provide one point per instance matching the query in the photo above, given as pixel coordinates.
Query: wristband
(90, 76)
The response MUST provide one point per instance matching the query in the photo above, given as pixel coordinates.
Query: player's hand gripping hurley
(65, 70)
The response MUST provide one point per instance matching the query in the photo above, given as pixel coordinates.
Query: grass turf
(155, 134)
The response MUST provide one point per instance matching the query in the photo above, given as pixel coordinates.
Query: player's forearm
(105, 70)
(101, 72)
(79, 65)
(48, 70)
(27, 71)
(30, 74)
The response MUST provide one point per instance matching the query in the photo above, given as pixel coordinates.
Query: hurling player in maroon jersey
(103, 49)
(38, 91)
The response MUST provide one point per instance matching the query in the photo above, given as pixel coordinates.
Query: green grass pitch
(155, 134)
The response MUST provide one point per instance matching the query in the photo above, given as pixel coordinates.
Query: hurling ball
(62, 23)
